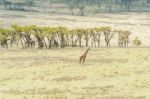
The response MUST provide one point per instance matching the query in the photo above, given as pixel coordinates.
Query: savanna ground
(109, 73)
(113, 73)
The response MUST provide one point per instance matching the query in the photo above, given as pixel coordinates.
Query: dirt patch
(108, 60)
(96, 87)
(68, 79)
(60, 19)
(41, 91)
(12, 16)
(116, 97)
(104, 97)
(32, 58)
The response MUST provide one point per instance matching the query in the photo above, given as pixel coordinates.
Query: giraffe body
(83, 56)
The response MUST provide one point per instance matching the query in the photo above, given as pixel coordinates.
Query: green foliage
(137, 42)
(3, 34)
(17, 29)
(62, 30)
(105, 29)
(64, 35)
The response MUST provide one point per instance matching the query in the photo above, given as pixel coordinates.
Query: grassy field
(108, 73)
(113, 73)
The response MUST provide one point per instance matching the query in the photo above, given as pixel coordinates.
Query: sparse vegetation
(55, 74)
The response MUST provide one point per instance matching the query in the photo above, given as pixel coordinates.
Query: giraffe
(83, 56)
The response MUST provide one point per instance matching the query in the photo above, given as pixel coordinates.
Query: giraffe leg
(81, 58)
(84, 58)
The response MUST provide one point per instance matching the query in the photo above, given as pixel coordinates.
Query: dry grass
(114, 73)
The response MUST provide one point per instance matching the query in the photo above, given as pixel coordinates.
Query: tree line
(106, 5)
(61, 37)
(84, 6)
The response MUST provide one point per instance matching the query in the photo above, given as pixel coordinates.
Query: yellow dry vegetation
(113, 73)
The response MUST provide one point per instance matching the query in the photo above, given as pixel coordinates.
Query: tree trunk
(72, 40)
(40, 43)
(62, 41)
(87, 43)
(98, 43)
(80, 42)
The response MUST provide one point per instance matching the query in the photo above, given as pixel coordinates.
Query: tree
(39, 34)
(72, 35)
(4, 37)
(82, 10)
(48, 33)
(62, 31)
(86, 36)
(49, 37)
(93, 37)
(99, 3)
(108, 35)
(123, 37)
(71, 9)
(137, 42)
(127, 3)
(81, 4)
(120, 37)
(79, 33)
(98, 35)
(126, 35)
(19, 32)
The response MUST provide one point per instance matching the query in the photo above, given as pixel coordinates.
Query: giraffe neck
(86, 52)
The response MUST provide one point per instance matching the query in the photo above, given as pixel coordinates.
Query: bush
(137, 42)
